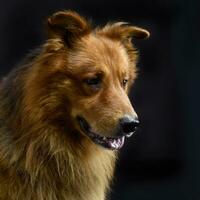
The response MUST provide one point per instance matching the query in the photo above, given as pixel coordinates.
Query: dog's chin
(112, 143)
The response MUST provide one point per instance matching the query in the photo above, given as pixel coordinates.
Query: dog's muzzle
(127, 126)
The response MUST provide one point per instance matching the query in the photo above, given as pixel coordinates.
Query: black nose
(128, 124)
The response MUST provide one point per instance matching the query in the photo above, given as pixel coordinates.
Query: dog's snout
(128, 124)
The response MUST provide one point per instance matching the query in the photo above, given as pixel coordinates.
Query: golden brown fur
(43, 153)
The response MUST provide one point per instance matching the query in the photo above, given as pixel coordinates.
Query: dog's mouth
(112, 143)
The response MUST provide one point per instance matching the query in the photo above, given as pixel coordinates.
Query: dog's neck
(42, 165)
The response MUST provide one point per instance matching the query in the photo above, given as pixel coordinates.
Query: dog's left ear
(67, 25)
(123, 31)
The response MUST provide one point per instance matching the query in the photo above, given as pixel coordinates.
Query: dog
(65, 112)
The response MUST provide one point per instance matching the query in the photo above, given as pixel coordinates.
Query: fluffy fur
(43, 153)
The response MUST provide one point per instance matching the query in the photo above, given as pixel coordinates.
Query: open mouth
(112, 143)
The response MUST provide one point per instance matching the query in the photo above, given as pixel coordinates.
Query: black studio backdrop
(162, 160)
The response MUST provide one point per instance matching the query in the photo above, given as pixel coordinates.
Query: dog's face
(100, 77)
(99, 68)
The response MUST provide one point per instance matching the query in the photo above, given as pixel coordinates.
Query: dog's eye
(125, 81)
(93, 82)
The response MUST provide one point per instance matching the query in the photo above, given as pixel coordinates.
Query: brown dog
(65, 112)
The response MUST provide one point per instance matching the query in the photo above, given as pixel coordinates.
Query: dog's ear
(123, 31)
(67, 25)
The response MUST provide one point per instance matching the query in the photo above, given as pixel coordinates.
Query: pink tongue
(116, 144)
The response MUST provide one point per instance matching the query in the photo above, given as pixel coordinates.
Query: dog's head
(96, 68)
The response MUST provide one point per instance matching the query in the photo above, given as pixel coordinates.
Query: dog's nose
(128, 124)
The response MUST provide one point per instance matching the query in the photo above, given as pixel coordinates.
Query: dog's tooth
(113, 144)
(117, 145)
(122, 140)
(129, 135)
(119, 141)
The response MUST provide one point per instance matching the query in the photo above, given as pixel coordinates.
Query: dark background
(162, 160)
